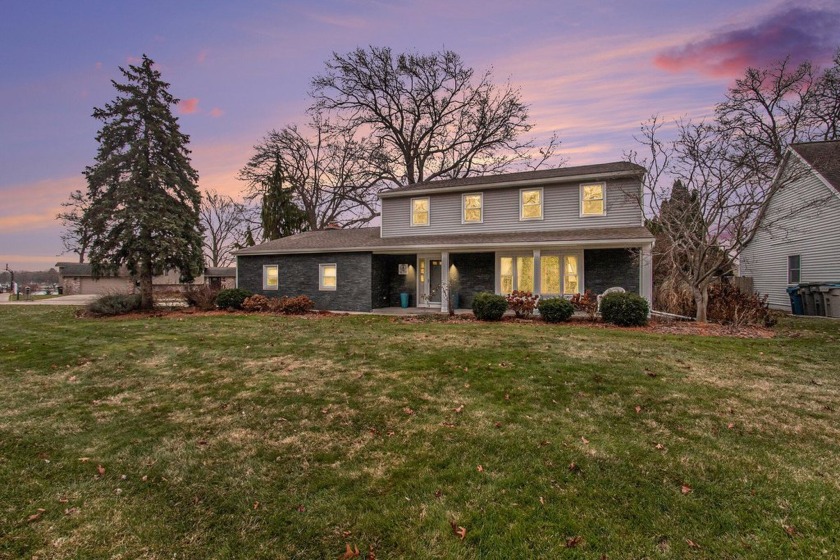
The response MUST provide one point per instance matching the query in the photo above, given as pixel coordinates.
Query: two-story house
(554, 232)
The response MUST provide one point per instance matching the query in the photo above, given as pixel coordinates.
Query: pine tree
(144, 199)
(280, 216)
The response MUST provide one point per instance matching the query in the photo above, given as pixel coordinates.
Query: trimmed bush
(200, 296)
(522, 303)
(488, 306)
(728, 305)
(114, 304)
(232, 298)
(556, 310)
(624, 309)
(299, 305)
(258, 302)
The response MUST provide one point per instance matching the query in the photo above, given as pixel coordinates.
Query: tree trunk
(146, 299)
(701, 301)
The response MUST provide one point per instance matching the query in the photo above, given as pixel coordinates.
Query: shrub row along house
(552, 232)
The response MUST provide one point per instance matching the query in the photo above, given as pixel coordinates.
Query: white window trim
(562, 254)
(580, 196)
(542, 204)
(513, 255)
(464, 208)
(265, 277)
(321, 286)
(428, 212)
(789, 269)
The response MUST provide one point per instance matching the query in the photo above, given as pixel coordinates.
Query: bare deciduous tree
(332, 175)
(224, 221)
(76, 236)
(432, 116)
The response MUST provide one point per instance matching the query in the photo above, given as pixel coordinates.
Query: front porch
(434, 281)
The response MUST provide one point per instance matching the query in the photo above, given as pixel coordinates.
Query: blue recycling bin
(404, 300)
(795, 300)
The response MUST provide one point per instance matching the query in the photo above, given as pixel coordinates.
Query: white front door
(429, 279)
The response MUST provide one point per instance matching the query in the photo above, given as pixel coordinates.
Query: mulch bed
(654, 327)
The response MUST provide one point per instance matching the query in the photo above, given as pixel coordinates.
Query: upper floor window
(592, 200)
(420, 211)
(794, 269)
(327, 276)
(473, 208)
(271, 277)
(531, 204)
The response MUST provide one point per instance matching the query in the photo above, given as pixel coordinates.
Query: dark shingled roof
(824, 157)
(368, 239)
(618, 168)
(220, 272)
(74, 269)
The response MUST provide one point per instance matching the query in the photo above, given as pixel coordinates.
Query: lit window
(553, 276)
(516, 273)
(550, 274)
(592, 200)
(473, 204)
(327, 277)
(530, 204)
(570, 275)
(271, 277)
(794, 269)
(422, 270)
(419, 211)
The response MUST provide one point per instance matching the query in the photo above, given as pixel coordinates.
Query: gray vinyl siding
(561, 210)
(813, 233)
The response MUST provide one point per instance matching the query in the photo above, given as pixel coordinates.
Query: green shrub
(624, 309)
(488, 306)
(555, 310)
(232, 298)
(114, 304)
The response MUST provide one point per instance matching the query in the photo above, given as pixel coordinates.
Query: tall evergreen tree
(144, 199)
(280, 216)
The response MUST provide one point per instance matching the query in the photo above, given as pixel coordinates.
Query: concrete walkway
(59, 300)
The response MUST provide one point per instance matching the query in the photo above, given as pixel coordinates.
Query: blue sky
(590, 71)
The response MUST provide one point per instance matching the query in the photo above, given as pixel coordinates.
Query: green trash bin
(404, 300)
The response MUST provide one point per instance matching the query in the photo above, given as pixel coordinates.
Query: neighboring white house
(799, 237)
(77, 278)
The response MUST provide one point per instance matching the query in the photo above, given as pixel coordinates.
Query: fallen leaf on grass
(350, 552)
(542, 500)
(686, 489)
(479, 468)
(572, 542)
(256, 505)
(408, 411)
(730, 425)
(459, 409)
(371, 555)
(650, 373)
(692, 544)
(35, 516)
(573, 467)
(84, 459)
(660, 446)
(638, 409)
(63, 500)
(790, 530)
(460, 532)
(438, 493)
(507, 397)
(301, 508)
(497, 425)
(584, 440)
(101, 470)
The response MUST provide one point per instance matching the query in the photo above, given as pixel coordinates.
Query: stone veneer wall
(606, 268)
(388, 283)
(472, 273)
(299, 276)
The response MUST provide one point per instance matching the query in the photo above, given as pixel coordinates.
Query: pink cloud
(801, 33)
(202, 56)
(188, 106)
(215, 112)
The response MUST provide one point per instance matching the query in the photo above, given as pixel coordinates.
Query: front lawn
(253, 436)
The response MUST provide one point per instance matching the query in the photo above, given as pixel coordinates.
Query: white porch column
(537, 273)
(646, 273)
(444, 282)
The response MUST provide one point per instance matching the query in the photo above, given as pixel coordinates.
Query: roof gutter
(516, 183)
(631, 242)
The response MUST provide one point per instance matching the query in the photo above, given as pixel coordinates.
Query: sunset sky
(242, 68)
